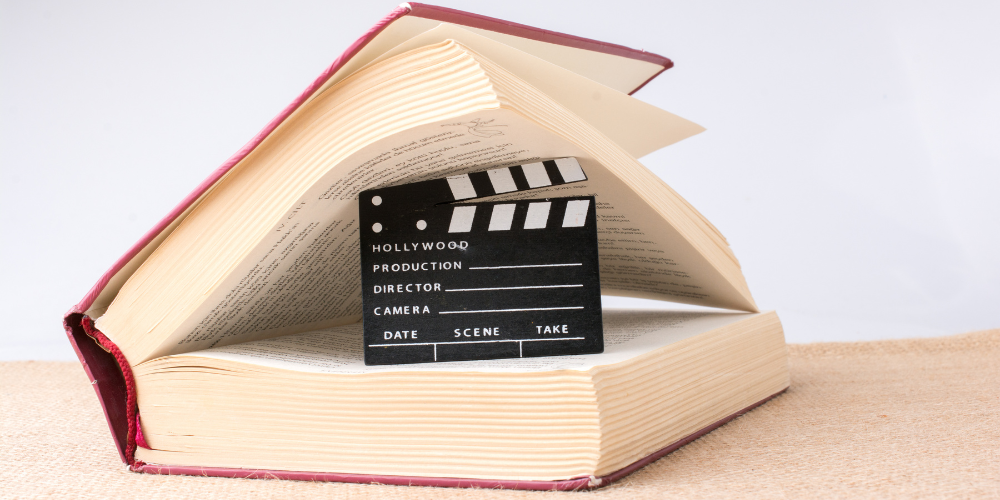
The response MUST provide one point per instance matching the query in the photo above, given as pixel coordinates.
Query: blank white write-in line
(478, 342)
(529, 265)
(510, 288)
(511, 310)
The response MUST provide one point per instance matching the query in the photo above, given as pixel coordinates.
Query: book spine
(111, 377)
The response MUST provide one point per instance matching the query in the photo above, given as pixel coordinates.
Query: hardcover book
(227, 341)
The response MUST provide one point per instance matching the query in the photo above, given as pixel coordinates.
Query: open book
(234, 323)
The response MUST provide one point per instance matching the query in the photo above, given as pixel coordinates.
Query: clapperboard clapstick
(449, 280)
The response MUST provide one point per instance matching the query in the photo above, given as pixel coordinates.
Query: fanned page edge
(572, 484)
(469, 19)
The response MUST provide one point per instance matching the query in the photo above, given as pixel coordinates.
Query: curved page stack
(227, 341)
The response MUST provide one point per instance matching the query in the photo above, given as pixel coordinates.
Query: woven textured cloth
(908, 418)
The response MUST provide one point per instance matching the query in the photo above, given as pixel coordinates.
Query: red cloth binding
(140, 440)
(131, 405)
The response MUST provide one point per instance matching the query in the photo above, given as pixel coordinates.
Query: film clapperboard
(449, 280)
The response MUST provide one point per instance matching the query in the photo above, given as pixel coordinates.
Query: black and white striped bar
(536, 216)
(516, 178)
(448, 279)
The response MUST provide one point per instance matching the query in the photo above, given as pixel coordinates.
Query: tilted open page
(303, 273)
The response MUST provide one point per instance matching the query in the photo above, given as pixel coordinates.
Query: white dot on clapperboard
(421, 225)
(377, 227)
(377, 200)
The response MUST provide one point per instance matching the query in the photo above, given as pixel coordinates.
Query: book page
(622, 73)
(639, 128)
(627, 334)
(305, 275)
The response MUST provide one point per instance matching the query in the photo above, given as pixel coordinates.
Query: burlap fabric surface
(911, 418)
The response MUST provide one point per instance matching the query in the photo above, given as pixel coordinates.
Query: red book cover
(110, 372)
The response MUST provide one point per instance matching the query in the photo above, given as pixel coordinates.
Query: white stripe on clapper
(536, 175)
(502, 218)
(502, 181)
(461, 187)
(570, 170)
(576, 213)
(461, 219)
(538, 214)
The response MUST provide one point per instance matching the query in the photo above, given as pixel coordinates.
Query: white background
(852, 156)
